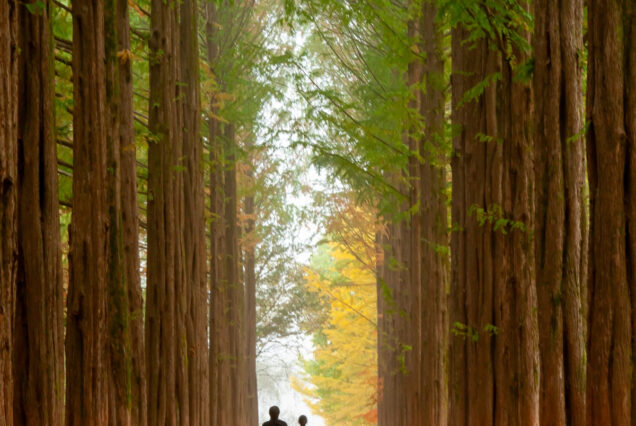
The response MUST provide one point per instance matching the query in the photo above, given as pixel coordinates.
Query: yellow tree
(342, 376)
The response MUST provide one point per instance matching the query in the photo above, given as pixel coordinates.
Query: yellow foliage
(342, 377)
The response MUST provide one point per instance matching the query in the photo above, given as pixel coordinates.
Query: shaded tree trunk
(560, 209)
(194, 237)
(86, 379)
(167, 292)
(611, 153)
(494, 351)
(39, 333)
(8, 199)
(118, 339)
(130, 220)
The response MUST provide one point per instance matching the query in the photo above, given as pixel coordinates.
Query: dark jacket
(274, 423)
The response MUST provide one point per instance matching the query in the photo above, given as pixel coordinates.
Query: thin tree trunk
(8, 198)
(220, 397)
(118, 327)
(611, 151)
(234, 286)
(39, 333)
(560, 181)
(86, 379)
(130, 220)
(250, 302)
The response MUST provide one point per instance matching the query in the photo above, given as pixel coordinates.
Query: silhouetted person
(274, 412)
(302, 420)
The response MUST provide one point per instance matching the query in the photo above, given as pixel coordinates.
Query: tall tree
(434, 237)
(420, 263)
(130, 220)
(560, 225)
(167, 292)
(493, 293)
(86, 379)
(611, 153)
(39, 329)
(194, 222)
(249, 256)
(8, 198)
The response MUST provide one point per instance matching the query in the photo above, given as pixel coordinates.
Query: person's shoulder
(281, 423)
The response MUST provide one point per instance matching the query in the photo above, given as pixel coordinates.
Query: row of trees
(506, 289)
(146, 151)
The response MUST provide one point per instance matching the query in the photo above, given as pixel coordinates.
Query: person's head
(302, 420)
(274, 412)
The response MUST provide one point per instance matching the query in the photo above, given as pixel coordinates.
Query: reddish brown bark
(494, 352)
(39, 334)
(434, 237)
(129, 218)
(611, 142)
(86, 379)
(194, 232)
(118, 340)
(560, 180)
(8, 198)
(167, 292)
(413, 323)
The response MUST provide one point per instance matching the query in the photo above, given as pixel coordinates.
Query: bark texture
(118, 340)
(494, 350)
(39, 328)
(167, 295)
(8, 199)
(194, 232)
(560, 209)
(86, 379)
(611, 143)
(414, 274)
(130, 220)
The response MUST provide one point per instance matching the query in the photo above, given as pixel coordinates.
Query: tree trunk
(194, 237)
(118, 327)
(167, 291)
(611, 143)
(130, 220)
(560, 182)
(250, 301)
(414, 273)
(220, 402)
(39, 334)
(8, 199)
(494, 351)
(86, 379)
(234, 286)
(434, 232)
